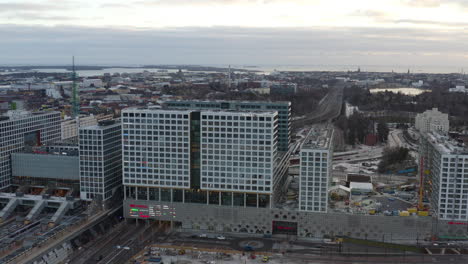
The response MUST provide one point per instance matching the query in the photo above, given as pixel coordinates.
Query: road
(328, 108)
(118, 245)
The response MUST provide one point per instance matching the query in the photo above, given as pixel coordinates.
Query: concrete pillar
(270, 201)
(257, 200)
(207, 197)
(232, 198)
(172, 196)
(245, 200)
(125, 192)
(159, 194)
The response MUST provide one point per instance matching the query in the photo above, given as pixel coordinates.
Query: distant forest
(455, 104)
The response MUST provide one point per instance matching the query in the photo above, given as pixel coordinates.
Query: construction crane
(75, 96)
(421, 184)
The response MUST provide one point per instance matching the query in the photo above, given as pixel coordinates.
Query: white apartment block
(432, 120)
(315, 169)
(238, 151)
(446, 181)
(221, 157)
(69, 127)
(100, 149)
(21, 130)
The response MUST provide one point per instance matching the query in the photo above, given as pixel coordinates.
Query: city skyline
(249, 32)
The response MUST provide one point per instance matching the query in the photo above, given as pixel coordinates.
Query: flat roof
(230, 111)
(445, 144)
(227, 101)
(361, 185)
(319, 137)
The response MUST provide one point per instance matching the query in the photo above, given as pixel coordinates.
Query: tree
(382, 132)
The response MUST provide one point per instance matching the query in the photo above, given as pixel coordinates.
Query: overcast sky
(249, 32)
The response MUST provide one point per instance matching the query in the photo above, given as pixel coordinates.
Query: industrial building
(100, 152)
(315, 167)
(283, 108)
(445, 164)
(219, 157)
(51, 166)
(22, 130)
(432, 120)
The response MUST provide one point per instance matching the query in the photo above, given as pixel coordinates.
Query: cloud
(232, 45)
(30, 6)
(432, 23)
(422, 3)
(435, 3)
(216, 2)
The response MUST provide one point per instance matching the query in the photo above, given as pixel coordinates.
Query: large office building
(316, 157)
(220, 157)
(283, 109)
(100, 149)
(432, 120)
(18, 131)
(55, 165)
(445, 162)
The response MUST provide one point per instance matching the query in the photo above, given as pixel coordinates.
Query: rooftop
(319, 137)
(202, 110)
(227, 101)
(445, 144)
(17, 114)
(103, 125)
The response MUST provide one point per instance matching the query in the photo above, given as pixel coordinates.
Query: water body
(88, 73)
(268, 69)
(404, 90)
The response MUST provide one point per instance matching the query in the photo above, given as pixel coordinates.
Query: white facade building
(315, 167)
(222, 157)
(459, 89)
(100, 149)
(70, 127)
(97, 83)
(432, 120)
(24, 129)
(446, 183)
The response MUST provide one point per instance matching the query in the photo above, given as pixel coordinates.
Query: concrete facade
(100, 160)
(46, 166)
(446, 185)
(317, 225)
(315, 167)
(25, 129)
(283, 108)
(432, 120)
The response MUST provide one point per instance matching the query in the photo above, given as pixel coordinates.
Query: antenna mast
(75, 96)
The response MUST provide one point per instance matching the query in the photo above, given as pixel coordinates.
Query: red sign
(138, 206)
(284, 228)
(457, 223)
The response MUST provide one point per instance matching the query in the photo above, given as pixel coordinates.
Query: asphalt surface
(329, 107)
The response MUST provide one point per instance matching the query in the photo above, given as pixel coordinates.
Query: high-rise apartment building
(432, 120)
(316, 157)
(21, 130)
(445, 163)
(283, 109)
(220, 157)
(100, 160)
